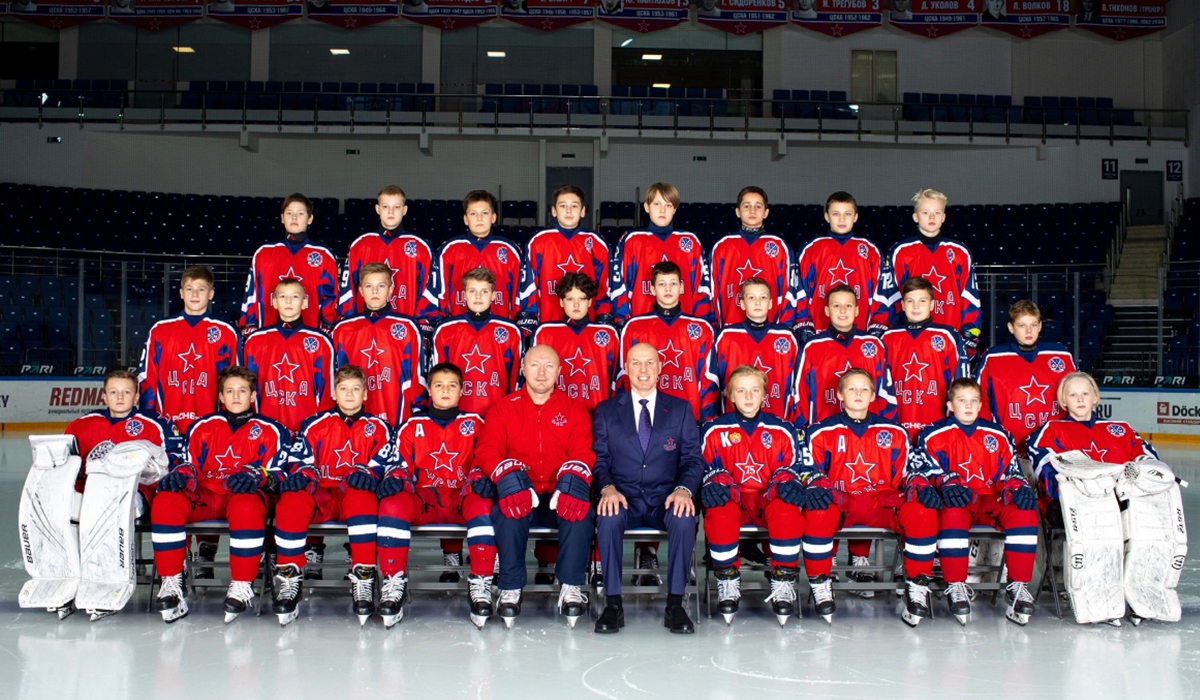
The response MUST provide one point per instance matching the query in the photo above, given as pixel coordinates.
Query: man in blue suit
(648, 468)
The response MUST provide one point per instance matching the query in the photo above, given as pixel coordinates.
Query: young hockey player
(294, 362)
(947, 264)
(184, 354)
(751, 253)
(857, 473)
(684, 343)
(924, 357)
(841, 258)
(407, 255)
(767, 346)
(640, 250)
(387, 346)
(230, 458)
(335, 463)
(973, 464)
(588, 350)
(298, 258)
(478, 248)
(560, 251)
(436, 450)
(485, 346)
(750, 455)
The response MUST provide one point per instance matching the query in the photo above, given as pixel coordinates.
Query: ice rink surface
(437, 653)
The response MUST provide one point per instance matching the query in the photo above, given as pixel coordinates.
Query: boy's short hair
(755, 281)
(929, 194)
(480, 196)
(197, 272)
(961, 384)
(914, 284)
(121, 374)
(665, 267)
(744, 371)
(391, 191)
(445, 368)
(577, 280)
(840, 197)
(854, 372)
(566, 189)
(753, 190)
(287, 282)
(350, 372)
(666, 189)
(374, 268)
(237, 372)
(838, 289)
(479, 274)
(297, 197)
(1023, 307)
(1062, 385)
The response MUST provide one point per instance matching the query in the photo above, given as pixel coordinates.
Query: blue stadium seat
(1033, 111)
(551, 104)
(1051, 109)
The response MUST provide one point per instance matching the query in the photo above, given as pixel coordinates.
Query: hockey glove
(300, 480)
(606, 319)
(877, 329)
(244, 481)
(803, 330)
(475, 482)
(362, 479)
(426, 325)
(394, 482)
(718, 488)
(517, 497)
(527, 323)
(971, 342)
(1019, 494)
(183, 478)
(954, 494)
(573, 492)
(785, 483)
(919, 489)
(820, 492)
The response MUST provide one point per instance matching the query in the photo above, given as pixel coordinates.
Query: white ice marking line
(597, 691)
(763, 676)
(625, 676)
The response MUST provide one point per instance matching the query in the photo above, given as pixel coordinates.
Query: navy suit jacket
(672, 460)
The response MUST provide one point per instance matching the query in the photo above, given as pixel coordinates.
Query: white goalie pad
(1155, 539)
(1094, 551)
(49, 541)
(989, 553)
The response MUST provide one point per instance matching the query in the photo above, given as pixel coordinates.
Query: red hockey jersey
(686, 349)
(633, 292)
(740, 256)
(750, 451)
(589, 359)
(774, 350)
(444, 291)
(389, 349)
(489, 354)
(543, 438)
(180, 363)
(217, 449)
(1020, 388)
(949, 267)
(831, 260)
(982, 454)
(552, 254)
(294, 364)
(312, 264)
(407, 255)
(438, 454)
(334, 445)
(96, 427)
(858, 457)
(825, 359)
(1111, 441)
(923, 363)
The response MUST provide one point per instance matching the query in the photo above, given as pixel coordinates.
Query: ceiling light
(661, 85)
(183, 49)
(496, 54)
(627, 42)
(652, 57)
(340, 52)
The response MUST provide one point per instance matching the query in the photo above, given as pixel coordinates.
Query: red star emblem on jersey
(570, 265)
(751, 470)
(285, 369)
(847, 368)
(840, 273)
(578, 363)
(443, 459)
(1095, 452)
(228, 460)
(1034, 392)
(190, 357)
(973, 470)
(346, 456)
(671, 351)
(476, 360)
(372, 353)
(935, 279)
(860, 470)
(746, 271)
(759, 364)
(914, 368)
(290, 274)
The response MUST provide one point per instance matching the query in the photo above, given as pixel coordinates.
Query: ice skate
(1020, 603)
(510, 606)
(172, 598)
(783, 593)
(206, 553)
(861, 576)
(392, 597)
(729, 592)
(237, 599)
(314, 556)
(822, 593)
(288, 583)
(572, 602)
(595, 575)
(63, 611)
(959, 596)
(98, 614)
(481, 599)
(916, 600)
(362, 592)
(647, 558)
(450, 559)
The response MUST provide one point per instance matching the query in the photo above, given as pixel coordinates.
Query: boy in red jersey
(297, 258)
(751, 253)
(407, 255)
(770, 347)
(632, 287)
(588, 350)
(294, 362)
(184, 354)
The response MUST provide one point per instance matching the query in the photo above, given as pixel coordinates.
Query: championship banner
(352, 14)
(58, 14)
(838, 17)
(256, 14)
(934, 18)
(1121, 20)
(643, 15)
(742, 16)
(449, 14)
(155, 14)
(1026, 18)
(547, 14)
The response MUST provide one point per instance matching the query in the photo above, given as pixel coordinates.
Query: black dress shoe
(677, 620)
(611, 620)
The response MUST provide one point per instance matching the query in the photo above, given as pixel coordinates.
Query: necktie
(644, 426)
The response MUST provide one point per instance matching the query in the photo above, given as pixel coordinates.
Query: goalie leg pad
(1094, 548)
(49, 542)
(1155, 548)
(106, 541)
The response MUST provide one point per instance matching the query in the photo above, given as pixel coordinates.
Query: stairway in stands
(1131, 344)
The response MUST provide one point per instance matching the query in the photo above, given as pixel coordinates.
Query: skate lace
(241, 590)
(960, 591)
(781, 591)
(481, 588)
(861, 561)
(362, 588)
(312, 556)
(647, 560)
(729, 589)
(289, 586)
(452, 558)
(822, 592)
(1019, 591)
(510, 596)
(171, 586)
(393, 587)
(569, 594)
(918, 593)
